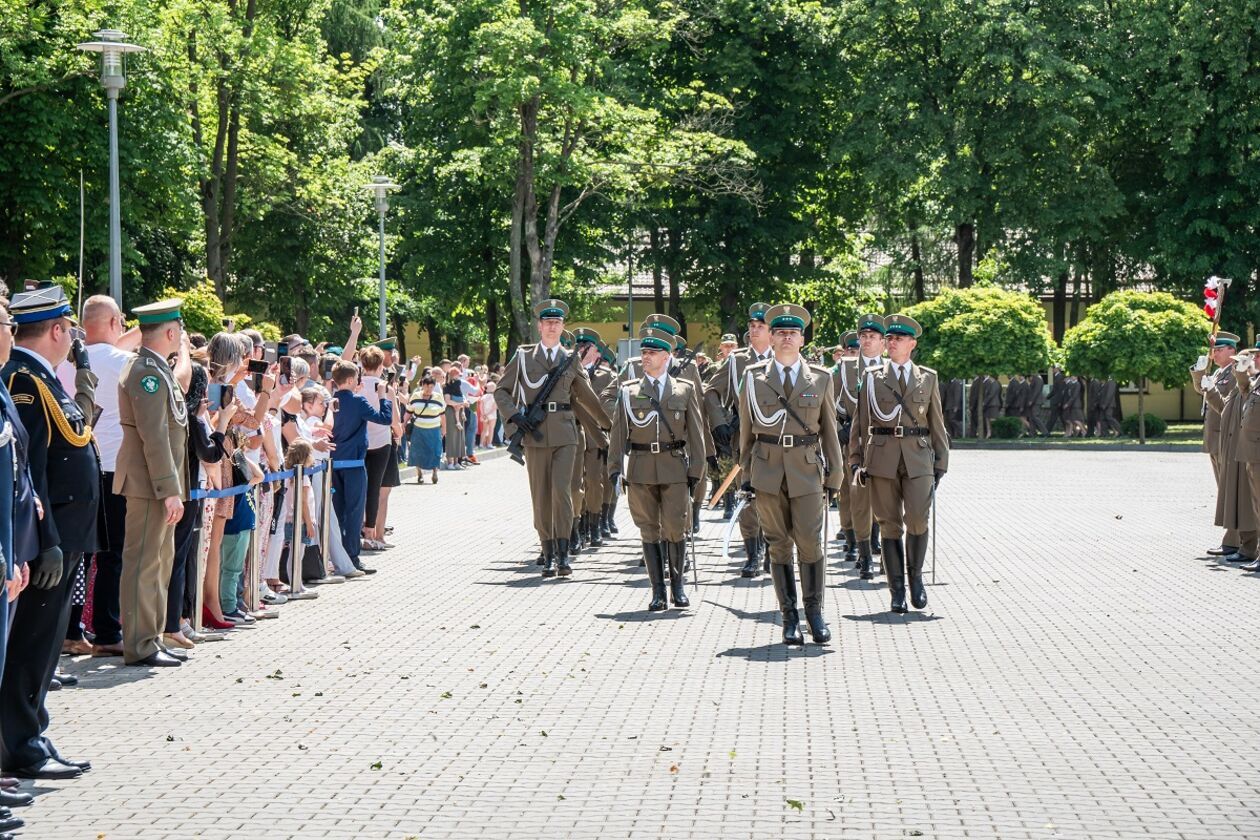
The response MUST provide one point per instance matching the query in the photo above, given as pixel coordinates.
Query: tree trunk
(492, 328)
(400, 332)
(916, 257)
(520, 205)
(1060, 306)
(658, 273)
(728, 310)
(672, 248)
(965, 236)
(1142, 410)
(436, 347)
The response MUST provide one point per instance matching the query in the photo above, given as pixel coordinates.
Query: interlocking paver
(1079, 674)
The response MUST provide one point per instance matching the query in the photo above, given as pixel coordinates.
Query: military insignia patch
(24, 399)
(149, 384)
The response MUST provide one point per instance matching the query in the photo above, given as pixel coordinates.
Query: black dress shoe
(60, 759)
(158, 659)
(54, 684)
(11, 824)
(181, 655)
(1253, 566)
(66, 679)
(1238, 557)
(47, 769)
(358, 565)
(15, 798)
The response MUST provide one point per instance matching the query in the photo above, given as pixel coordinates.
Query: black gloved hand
(746, 487)
(859, 474)
(722, 435)
(46, 570)
(519, 420)
(614, 479)
(78, 352)
(712, 462)
(692, 481)
(937, 476)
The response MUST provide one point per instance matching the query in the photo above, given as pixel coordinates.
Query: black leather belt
(789, 441)
(901, 431)
(554, 406)
(658, 447)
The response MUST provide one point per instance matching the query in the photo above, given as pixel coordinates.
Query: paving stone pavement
(1082, 673)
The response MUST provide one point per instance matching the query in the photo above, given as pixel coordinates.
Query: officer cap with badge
(387, 344)
(566, 339)
(872, 322)
(551, 308)
(651, 338)
(902, 325)
(161, 312)
(662, 322)
(757, 312)
(586, 335)
(728, 338)
(787, 316)
(1225, 339)
(42, 304)
(849, 341)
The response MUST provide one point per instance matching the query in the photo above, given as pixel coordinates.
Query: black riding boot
(850, 545)
(593, 536)
(728, 505)
(876, 545)
(813, 576)
(752, 558)
(575, 538)
(695, 517)
(916, 551)
(563, 568)
(785, 591)
(605, 514)
(656, 574)
(677, 580)
(612, 516)
(895, 568)
(765, 553)
(549, 558)
(864, 559)
(542, 554)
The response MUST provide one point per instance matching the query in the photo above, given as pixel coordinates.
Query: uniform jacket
(803, 468)
(1032, 395)
(1016, 395)
(350, 421)
(633, 370)
(66, 473)
(636, 421)
(1215, 388)
(21, 542)
(1248, 450)
(153, 458)
(523, 379)
(1233, 497)
(721, 394)
(920, 406)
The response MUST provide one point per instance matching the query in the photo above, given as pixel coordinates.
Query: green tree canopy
(982, 329)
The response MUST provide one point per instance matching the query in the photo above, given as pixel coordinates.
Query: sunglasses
(12, 325)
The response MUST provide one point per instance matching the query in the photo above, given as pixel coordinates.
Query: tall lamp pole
(112, 45)
(381, 186)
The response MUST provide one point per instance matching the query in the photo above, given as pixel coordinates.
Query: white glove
(1201, 364)
(1242, 363)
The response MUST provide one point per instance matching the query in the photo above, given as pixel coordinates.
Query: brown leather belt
(789, 441)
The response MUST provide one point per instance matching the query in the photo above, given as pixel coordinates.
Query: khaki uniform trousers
(579, 466)
(855, 506)
(1231, 536)
(901, 504)
(662, 512)
(550, 470)
(148, 554)
(789, 522)
(593, 490)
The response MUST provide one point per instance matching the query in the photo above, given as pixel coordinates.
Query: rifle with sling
(534, 414)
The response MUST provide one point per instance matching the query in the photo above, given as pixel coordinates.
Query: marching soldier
(721, 400)
(577, 537)
(152, 474)
(1032, 405)
(901, 450)
(607, 523)
(1221, 383)
(790, 457)
(548, 430)
(65, 471)
(594, 463)
(952, 404)
(862, 542)
(1016, 397)
(657, 421)
(844, 381)
(1248, 452)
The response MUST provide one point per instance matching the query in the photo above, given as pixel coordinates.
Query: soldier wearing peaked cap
(551, 442)
(861, 531)
(721, 400)
(844, 384)
(1216, 388)
(595, 459)
(790, 458)
(899, 445)
(65, 471)
(606, 374)
(657, 423)
(152, 474)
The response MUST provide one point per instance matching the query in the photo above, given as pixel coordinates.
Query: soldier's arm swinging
(586, 404)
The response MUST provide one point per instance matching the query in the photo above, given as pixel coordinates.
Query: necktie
(787, 382)
(901, 378)
(660, 390)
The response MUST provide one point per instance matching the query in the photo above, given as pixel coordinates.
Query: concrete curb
(1190, 446)
(483, 456)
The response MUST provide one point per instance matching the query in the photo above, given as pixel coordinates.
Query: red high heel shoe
(208, 620)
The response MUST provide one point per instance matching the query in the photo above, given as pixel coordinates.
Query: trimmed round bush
(1007, 427)
(1155, 426)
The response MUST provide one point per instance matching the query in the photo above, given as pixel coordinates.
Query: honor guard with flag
(790, 459)
(900, 451)
(65, 471)
(542, 396)
(152, 473)
(657, 423)
(721, 399)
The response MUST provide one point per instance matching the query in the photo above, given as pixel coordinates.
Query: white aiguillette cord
(870, 395)
(649, 417)
(776, 418)
(523, 381)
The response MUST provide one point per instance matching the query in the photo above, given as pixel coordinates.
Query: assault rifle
(534, 414)
(688, 356)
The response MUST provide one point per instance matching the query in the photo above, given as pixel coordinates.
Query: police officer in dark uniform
(65, 469)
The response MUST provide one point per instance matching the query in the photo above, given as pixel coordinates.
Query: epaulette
(148, 362)
(927, 369)
(825, 371)
(764, 364)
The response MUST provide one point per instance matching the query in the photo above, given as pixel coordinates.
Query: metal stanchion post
(297, 592)
(200, 571)
(255, 550)
(325, 516)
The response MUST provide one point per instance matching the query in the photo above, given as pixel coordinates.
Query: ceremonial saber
(933, 534)
(730, 527)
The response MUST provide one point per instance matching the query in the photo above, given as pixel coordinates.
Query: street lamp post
(112, 45)
(381, 187)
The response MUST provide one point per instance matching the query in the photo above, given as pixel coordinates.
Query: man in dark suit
(1032, 404)
(952, 404)
(1056, 401)
(65, 471)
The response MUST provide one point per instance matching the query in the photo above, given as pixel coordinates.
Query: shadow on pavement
(895, 618)
(764, 617)
(103, 672)
(777, 652)
(644, 617)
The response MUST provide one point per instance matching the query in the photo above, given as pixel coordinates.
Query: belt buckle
(551, 407)
(788, 441)
(899, 431)
(655, 447)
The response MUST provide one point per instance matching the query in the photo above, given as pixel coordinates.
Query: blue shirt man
(350, 420)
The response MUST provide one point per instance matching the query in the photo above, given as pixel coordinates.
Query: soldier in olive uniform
(577, 537)
(1221, 382)
(65, 471)
(844, 352)
(594, 461)
(790, 458)
(902, 451)
(152, 474)
(657, 422)
(1233, 491)
(551, 444)
(1248, 452)
(607, 513)
(721, 400)
(849, 379)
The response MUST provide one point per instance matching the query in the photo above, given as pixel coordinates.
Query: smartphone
(258, 367)
(286, 363)
(218, 396)
(282, 349)
(325, 368)
(356, 312)
(269, 354)
(389, 378)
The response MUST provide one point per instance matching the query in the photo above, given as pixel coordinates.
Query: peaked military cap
(757, 312)
(651, 338)
(872, 322)
(729, 338)
(903, 325)
(586, 335)
(849, 340)
(1225, 339)
(551, 308)
(41, 304)
(566, 338)
(606, 352)
(661, 321)
(387, 343)
(787, 316)
(160, 312)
